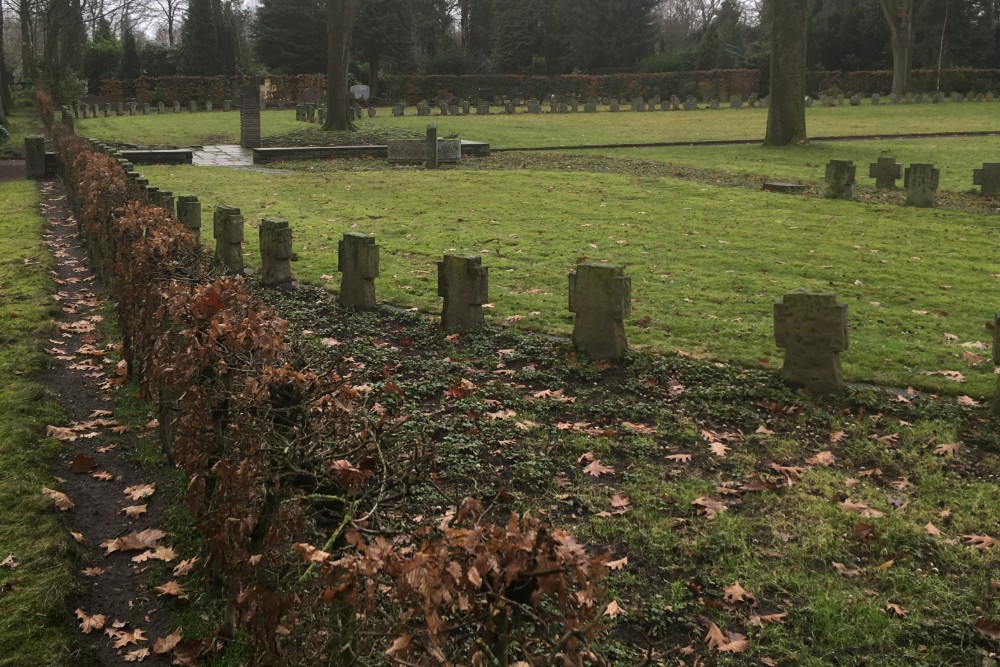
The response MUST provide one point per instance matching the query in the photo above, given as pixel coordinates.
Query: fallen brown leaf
(62, 501)
(90, 623)
(167, 644)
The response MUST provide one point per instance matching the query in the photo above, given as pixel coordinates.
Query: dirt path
(98, 468)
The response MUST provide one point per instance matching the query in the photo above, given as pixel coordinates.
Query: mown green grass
(21, 122)
(707, 262)
(32, 597)
(524, 130)
(955, 157)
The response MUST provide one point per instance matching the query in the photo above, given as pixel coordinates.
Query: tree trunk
(27, 50)
(899, 15)
(341, 16)
(373, 65)
(786, 111)
(5, 99)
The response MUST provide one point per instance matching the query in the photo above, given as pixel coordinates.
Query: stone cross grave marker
(876, 98)
(988, 178)
(357, 260)
(885, 172)
(189, 213)
(167, 201)
(921, 182)
(812, 329)
(840, 176)
(275, 252)
(463, 282)
(228, 232)
(397, 111)
(601, 297)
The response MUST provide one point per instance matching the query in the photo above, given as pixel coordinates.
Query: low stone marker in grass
(228, 232)
(177, 107)
(601, 297)
(275, 252)
(885, 172)
(839, 179)
(811, 327)
(357, 260)
(193, 106)
(921, 182)
(463, 282)
(189, 213)
(988, 178)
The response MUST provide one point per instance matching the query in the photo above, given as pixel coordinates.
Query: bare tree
(171, 11)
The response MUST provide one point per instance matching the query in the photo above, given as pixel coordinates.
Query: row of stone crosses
(919, 180)
(810, 326)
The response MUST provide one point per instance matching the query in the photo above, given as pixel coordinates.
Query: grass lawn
(956, 157)
(33, 593)
(523, 130)
(22, 122)
(707, 262)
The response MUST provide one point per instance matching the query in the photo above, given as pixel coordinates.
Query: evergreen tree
(290, 35)
(200, 53)
(130, 68)
(102, 57)
(384, 32)
(518, 34)
(610, 34)
(723, 40)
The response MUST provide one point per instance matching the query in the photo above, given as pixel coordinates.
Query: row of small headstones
(811, 327)
(909, 98)
(920, 180)
(81, 110)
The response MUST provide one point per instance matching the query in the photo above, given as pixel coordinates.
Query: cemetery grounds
(746, 523)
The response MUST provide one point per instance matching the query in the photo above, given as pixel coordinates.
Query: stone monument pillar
(601, 296)
(812, 329)
(228, 231)
(432, 147)
(250, 117)
(921, 182)
(463, 281)
(275, 252)
(839, 179)
(357, 260)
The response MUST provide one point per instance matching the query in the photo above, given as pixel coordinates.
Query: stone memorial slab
(463, 282)
(988, 178)
(811, 327)
(228, 232)
(600, 295)
(275, 252)
(357, 260)
(921, 183)
(839, 179)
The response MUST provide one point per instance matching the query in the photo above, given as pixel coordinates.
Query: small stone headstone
(34, 152)
(357, 260)
(751, 101)
(107, 109)
(483, 109)
(397, 111)
(208, 105)
(896, 98)
(321, 115)
(615, 106)
(133, 108)
(372, 111)
(737, 103)
(840, 99)
(601, 297)
(885, 172)
(189, 213)
(921, 182)
(423, 110)
(713, 103)
(957, 97)
(228, 232)
(765, 102)
(463, 282)
(988, 178)
(160, 108)
(453, 110)
(812, 329)
(466, 107)
(275, 252)
(938, 97)
(534, 107)
(177, 107)
(876, 98)
(808, 102)
(990, 96)
(855, 100)
(167, 201)
(908, 98)
(690, 104)
(589, 107)
(193, 106)
(918, 98)
(562, 108)
(839, 179)
(228, 104)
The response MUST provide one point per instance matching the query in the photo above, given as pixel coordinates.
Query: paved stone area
(223, 156)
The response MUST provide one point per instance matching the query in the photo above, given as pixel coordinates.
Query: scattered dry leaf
(62, 501)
